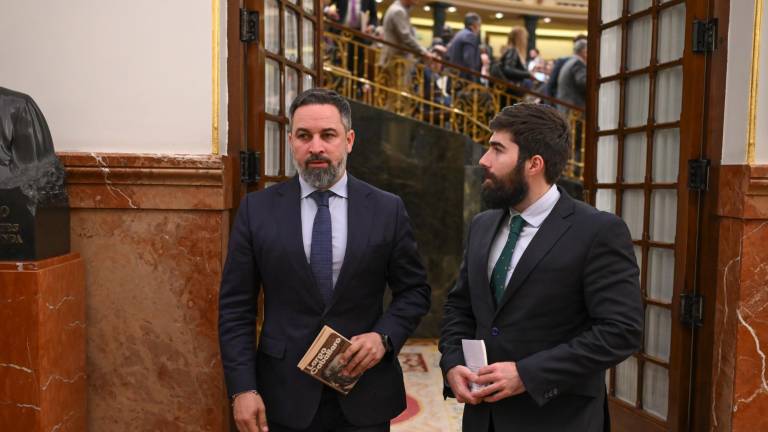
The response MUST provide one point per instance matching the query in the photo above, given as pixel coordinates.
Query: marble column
(531, 23)
(739, 376)
(438, 17)
(42, 345)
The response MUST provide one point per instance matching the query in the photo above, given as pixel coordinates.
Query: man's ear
(350, 140)
(536, 165)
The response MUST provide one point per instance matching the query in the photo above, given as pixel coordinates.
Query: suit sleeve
(407, 279)
(458, 322)
(403, 29)
(612, 298)
(240, 286)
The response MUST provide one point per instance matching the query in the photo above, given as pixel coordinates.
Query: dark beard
(507, 192)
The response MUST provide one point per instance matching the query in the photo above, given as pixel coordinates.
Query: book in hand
(475, 358)
(322, 361)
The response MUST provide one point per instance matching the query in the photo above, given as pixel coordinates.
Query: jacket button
(495, 331)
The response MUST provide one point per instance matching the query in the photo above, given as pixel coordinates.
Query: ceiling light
(452, 9)
(379, 1)
(427, 8)
(499, 15)
(547, 20)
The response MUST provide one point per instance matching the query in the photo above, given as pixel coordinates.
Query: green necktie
(500, 270)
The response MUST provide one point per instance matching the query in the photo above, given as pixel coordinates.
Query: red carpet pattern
(426, 411)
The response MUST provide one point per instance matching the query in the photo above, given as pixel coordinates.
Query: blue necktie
(321, 251)
(500, 270)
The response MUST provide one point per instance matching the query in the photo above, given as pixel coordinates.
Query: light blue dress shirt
(337, 204)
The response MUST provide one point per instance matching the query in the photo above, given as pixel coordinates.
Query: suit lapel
(291, 232)
(483, 242)
(359, 220)
(549, 233)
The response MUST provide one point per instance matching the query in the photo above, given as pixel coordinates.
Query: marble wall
(152, 230)
(42, 345)
(739, 376)
(426, 167)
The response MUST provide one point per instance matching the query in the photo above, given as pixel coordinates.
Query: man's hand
(365, 352)
(459, 378)
(502, 381)
(250, 413)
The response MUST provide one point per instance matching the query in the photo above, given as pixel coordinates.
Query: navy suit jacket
(266, 253)
(571, 309)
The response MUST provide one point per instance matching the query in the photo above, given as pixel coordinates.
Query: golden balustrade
(429, 90)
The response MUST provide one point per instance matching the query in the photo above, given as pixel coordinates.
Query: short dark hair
(538, 130)
(321, 96)
(471, 18)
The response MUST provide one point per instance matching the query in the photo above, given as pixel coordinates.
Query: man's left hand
(365, 352)
(502, 381)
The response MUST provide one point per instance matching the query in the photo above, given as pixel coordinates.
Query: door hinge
(249, 26)
(704, 36)
(698, 174)
(249, 167)
(691, 310)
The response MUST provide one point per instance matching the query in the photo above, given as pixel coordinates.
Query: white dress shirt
(533, 216)
(337, 203)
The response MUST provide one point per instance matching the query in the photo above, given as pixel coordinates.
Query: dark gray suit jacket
(266, 252)
(571, 310)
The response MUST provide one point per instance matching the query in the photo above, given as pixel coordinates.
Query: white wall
(738, 80)
(132, 76)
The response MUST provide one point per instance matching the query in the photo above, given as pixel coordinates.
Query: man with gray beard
(322, 247)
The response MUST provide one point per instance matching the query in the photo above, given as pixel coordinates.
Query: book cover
(322, 361)
(474, 357)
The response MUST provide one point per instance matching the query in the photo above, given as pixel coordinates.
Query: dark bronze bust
(34, 207)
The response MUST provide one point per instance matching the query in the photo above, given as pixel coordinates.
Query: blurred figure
(572, 85)
(464, 49)
(551, 88)
(358, 15)
(399, 31)
(511, 67)
(355, 14)
(534, 59)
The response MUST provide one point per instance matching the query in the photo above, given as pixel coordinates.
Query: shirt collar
(340, 188)
(535, 214)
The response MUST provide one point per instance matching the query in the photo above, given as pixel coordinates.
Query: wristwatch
(387, 343)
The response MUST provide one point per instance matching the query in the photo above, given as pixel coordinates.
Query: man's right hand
(459, 378)
(250, 413)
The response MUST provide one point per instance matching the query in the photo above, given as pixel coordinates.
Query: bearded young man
(322, 247)
(549, 284)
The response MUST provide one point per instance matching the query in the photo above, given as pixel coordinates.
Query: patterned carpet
(426, 411)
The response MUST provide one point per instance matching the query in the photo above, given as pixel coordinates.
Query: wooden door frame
(699, 211)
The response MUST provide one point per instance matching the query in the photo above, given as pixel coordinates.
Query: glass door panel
(640, 139)
(278, 67)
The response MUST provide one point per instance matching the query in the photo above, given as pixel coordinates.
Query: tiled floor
(427, 411)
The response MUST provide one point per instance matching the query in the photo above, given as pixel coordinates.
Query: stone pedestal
(42, 345)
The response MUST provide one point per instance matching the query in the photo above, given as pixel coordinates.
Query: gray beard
(321, 178)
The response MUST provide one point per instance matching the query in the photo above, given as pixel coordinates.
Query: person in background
(464, 49)
(511, 67)
(572, 79)
(550, 89)
(358, 15)
(534, 59)
(399, 31)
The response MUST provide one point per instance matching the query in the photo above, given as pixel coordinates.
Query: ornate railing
(432, 91)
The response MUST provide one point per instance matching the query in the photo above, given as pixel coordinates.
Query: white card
(474, 357)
